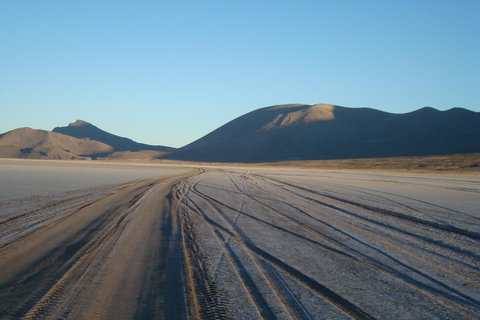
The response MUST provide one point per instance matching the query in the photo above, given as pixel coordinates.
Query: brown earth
(136, 155)
(104, 259)
(40, 144)
(455, 163)
(442, 164)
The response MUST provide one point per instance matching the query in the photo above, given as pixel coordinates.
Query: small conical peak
(78, 123)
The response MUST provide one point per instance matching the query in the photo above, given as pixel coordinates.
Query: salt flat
(244, 243)
(300, 244)
(23, 178)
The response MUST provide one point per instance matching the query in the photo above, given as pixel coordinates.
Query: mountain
(282, 132)
(296, 131)
(82, 129)
(39, 144)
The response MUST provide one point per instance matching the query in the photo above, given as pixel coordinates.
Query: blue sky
(169, 72)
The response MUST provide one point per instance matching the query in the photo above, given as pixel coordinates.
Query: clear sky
(169, 72)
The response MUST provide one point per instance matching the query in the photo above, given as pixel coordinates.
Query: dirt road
(220, 243)
(116, 256)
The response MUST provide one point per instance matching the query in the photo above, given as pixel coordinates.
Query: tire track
(256, 297)
(436, 225)
(68, 269)
(25, 223)
(454, 297)
(455, 250)
(204, 301)
(358, 257)
(321, 290)
(56, 203)
(77, 255)
(289, 300)
(454, 214)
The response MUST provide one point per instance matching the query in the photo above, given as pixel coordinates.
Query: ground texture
(246, 243)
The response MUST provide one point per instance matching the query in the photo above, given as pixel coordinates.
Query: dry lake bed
(89, 240)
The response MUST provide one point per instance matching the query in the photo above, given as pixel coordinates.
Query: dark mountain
(82, 129)
(40, 144)
(291, 132)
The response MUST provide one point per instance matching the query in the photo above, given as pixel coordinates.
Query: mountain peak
(78, 123)
(81, 129)
(288, 115)
(323, 131)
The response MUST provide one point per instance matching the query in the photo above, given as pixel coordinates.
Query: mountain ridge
(340, 133)
(81, 129)
(275, 133)
(41, 144)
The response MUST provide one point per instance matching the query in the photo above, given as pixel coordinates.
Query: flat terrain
(139, 241)
(453, 163)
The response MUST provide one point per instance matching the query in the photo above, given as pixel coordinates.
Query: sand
(243, 242)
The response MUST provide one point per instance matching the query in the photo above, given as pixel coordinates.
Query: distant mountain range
(294, 132)
(283, 132)
(79, 140)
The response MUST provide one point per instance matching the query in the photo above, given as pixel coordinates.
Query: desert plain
(172, 240)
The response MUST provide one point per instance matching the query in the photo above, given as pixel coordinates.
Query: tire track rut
(257, 203)
(83, 254)
(222, 243)
(318, 288)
